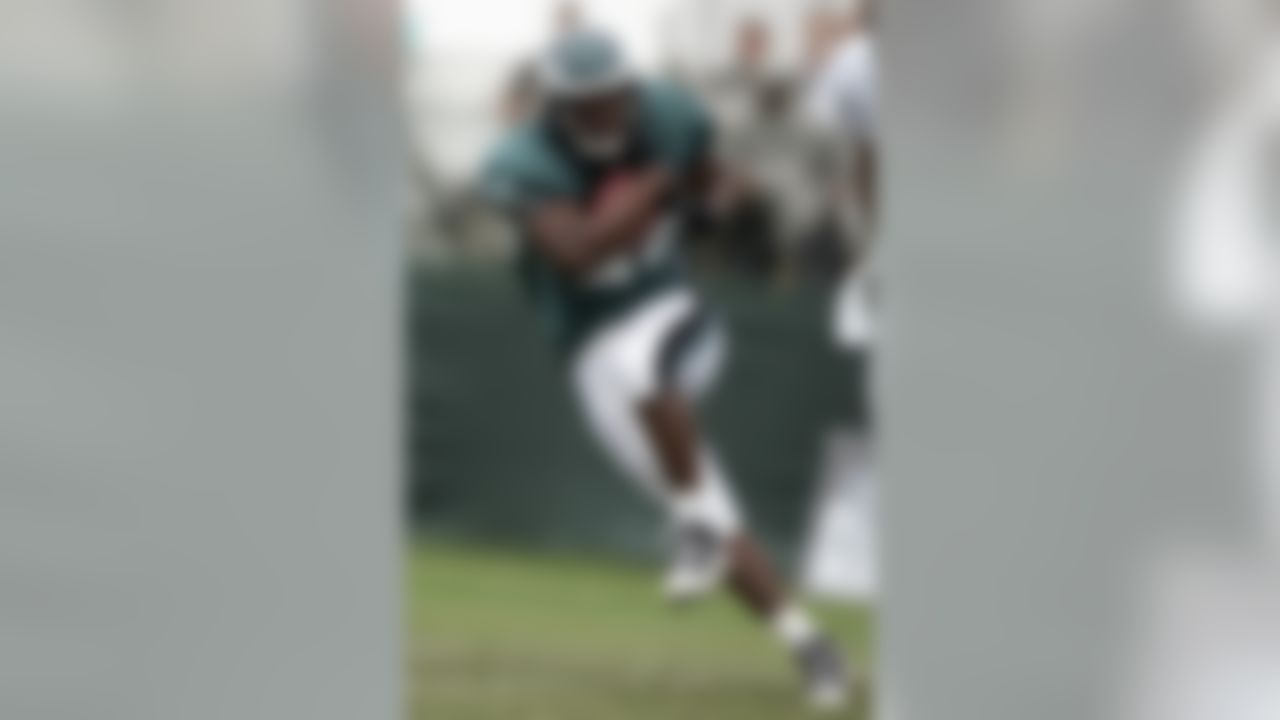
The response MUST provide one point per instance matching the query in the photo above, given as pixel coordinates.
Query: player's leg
(634, 394)
(694, 478)
(699, 503)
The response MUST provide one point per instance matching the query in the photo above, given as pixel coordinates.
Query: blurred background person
(822, 32)
(733, 89)
(570, 17)
(841, 100)
(751, 100)
(521, 97)
(840, 107)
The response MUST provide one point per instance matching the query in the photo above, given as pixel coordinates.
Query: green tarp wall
(498, 453)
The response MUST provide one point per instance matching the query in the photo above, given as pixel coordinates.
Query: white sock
(709, 502)
(794, 627)
(687, 506)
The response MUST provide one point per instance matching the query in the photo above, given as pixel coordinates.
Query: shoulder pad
(523, 170)
(678, 126)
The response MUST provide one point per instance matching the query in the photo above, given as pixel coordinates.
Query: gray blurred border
(199, 366)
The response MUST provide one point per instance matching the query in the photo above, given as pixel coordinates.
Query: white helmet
(587, 83)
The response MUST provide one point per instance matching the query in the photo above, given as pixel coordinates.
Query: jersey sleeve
(520, 175)
(685, 133)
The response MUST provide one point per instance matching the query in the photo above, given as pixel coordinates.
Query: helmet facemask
(600, 126)
(590, 91)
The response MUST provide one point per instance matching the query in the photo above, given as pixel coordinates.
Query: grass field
(504, 636)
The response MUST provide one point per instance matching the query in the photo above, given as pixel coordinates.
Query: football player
(596, 186)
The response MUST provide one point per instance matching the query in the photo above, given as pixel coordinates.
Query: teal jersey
(533, 165)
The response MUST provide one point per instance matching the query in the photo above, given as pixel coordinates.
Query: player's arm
(578, 240)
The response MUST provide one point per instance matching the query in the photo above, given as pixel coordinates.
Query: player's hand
(624, 191)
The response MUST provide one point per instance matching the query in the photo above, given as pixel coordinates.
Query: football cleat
(825, 673)
(699, 561)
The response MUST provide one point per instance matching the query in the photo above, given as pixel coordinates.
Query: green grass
(506, 636)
